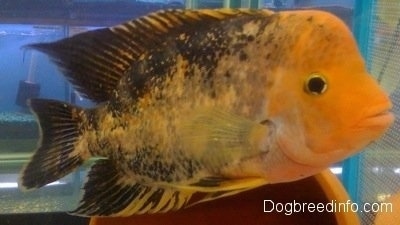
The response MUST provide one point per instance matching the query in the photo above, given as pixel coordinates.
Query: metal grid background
(379, 168)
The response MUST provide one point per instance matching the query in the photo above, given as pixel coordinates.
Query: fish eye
(316, 84)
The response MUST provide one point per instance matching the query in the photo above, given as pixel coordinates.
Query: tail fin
(56, 156)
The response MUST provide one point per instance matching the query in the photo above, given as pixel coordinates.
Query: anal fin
(109, 192)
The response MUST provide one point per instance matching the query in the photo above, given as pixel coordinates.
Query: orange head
(324, 102)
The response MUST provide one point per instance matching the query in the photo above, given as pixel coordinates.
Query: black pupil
(316, 85)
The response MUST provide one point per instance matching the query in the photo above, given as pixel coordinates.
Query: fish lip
(383, 119)
(378, 116)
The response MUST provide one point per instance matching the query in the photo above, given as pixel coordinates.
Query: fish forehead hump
(321, 39)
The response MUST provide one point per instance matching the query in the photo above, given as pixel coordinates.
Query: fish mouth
(379, 116)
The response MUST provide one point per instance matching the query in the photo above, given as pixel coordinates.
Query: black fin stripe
(180, 20)
(139, 192)
(109, 52)
(192, 17)
(116, 45)
(149, 191)
(132, 49)
(60, 111)
(125, 198)
(65, 137)
(42, 176)
(94, 200)
(126, 42)
(157, 23)
(228, 13)
(161, 22)
(209, 182)
(105, 86)
(60, 129)
(54, 150)
(67, 146)
(59, 143)
(169, 205)
(124, 33)
(97, 188)
(154, 203)
(54, 169)
(88, 51)
(105, 79)
(177, 201)
(101, 65)
(105, 210)
(101, 205)
(144, 192)
(132, 196)
(109, 208)
(98, 96)
(144, 35)
(174, 20)
(47, 162)
(69, 163)
(61, 121)
(140, 33)
(106, 200)
(153, 200)
(112, 178)
(124, 59)
(70, 129)
(89, 195)
(98, 63)
(84, 76)
(137, 206)
(150, 28)
(154, 24)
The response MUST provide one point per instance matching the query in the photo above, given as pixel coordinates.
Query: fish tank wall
(371, 176)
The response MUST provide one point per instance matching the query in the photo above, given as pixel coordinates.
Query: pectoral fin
(218, 137)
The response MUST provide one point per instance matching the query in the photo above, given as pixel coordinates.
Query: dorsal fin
(95, 61)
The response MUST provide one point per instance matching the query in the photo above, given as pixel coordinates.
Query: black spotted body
(188, 71)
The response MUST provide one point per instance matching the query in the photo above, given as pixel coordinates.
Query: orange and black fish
(213, 102)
